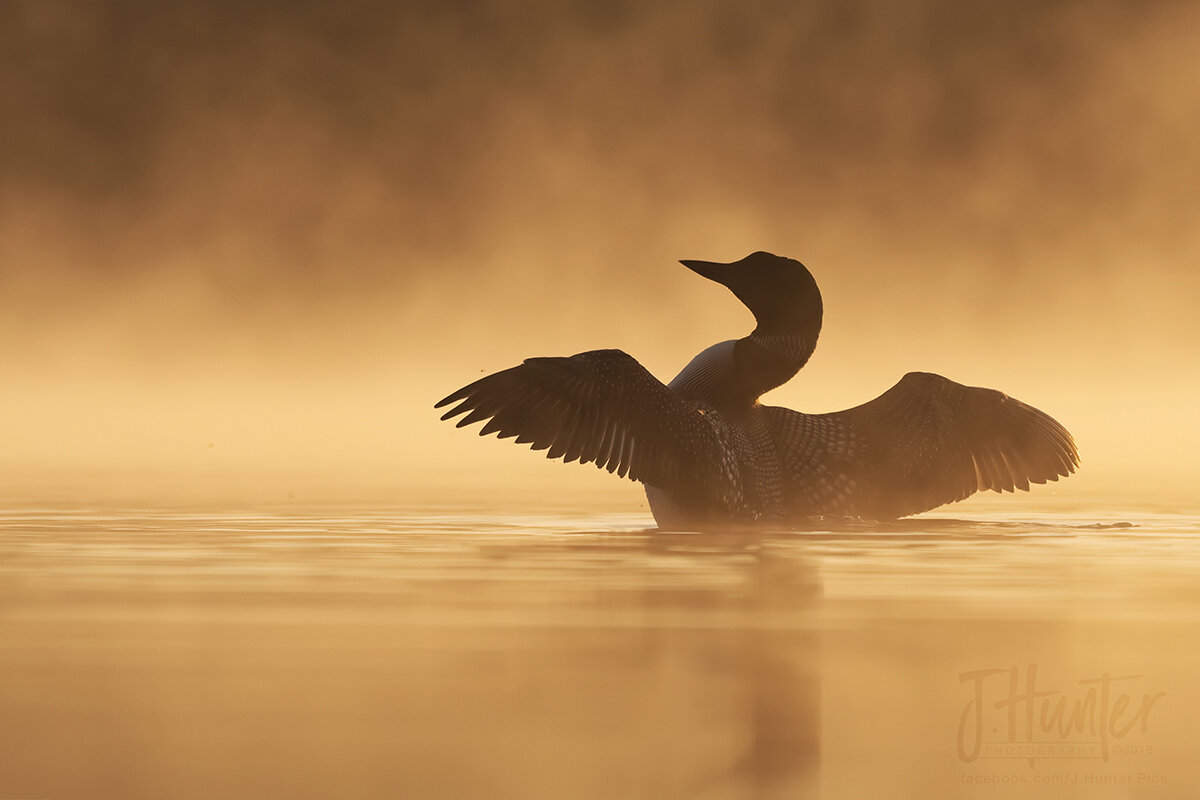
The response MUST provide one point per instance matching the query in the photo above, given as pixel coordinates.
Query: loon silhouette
(709, 453)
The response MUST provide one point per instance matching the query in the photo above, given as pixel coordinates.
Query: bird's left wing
(601, 406)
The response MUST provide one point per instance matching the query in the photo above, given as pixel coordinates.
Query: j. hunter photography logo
(1009, 716)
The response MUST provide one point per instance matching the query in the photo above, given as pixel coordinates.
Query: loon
(708, 453)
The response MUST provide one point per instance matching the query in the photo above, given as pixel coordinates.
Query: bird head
(780, 292)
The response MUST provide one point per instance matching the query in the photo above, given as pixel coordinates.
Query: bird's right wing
(924, 442)
(601, 406)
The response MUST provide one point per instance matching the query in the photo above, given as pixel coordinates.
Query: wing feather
(601, 406)
(924, 442)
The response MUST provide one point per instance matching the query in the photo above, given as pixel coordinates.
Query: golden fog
(244, 249)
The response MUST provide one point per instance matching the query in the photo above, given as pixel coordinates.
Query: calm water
(370, 652)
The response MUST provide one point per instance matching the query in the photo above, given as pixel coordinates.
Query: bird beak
(712, 270)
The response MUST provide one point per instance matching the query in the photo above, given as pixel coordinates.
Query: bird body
(710, 454)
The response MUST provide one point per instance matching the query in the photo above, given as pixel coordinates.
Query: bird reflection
(770, 654)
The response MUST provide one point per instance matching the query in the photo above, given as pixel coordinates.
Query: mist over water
(243, 251)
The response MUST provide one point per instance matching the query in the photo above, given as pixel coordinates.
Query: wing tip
(454, 412)
(448, 399)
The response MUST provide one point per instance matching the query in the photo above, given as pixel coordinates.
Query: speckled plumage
(710, 453)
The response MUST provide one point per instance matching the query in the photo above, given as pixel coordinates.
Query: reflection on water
(366, 652)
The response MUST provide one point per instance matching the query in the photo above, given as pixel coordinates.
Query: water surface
(314, 652)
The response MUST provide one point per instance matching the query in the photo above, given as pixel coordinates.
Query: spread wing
(924, 442)
(601, 406)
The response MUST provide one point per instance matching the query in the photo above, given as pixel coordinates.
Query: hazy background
(244, 247)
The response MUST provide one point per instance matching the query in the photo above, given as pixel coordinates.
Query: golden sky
(244, 246)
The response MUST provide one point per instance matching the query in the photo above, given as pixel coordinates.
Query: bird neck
(764, 361)
(792, 348)
(733, 374)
